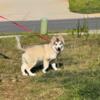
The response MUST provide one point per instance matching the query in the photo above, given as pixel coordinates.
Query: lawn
(85, 6)
(78, 79)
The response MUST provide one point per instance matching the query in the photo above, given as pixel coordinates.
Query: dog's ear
(61, 38)
(53, 39)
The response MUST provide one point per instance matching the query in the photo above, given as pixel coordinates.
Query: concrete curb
(10, 36)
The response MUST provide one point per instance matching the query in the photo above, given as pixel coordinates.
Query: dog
(46, 54)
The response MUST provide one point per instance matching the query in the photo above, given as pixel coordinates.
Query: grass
(78, 79)
(85, 6)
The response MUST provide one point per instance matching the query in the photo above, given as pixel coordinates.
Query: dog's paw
(24, 74)
(44, 71)
(33, 74)
(58, 69)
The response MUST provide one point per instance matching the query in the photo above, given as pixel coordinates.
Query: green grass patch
(85, 6)
(78, 79)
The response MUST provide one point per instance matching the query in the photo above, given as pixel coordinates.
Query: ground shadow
(40, 67)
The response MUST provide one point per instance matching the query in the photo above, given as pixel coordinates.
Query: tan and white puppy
(46, 54)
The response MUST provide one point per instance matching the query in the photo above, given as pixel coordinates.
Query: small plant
(78, 29)
(82, 28)
(85, 28)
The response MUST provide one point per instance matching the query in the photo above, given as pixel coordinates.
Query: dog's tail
(19, 44)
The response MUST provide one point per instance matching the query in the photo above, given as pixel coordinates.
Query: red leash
(26, 29)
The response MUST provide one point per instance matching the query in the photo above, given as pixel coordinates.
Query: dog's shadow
(40, 67)
(4, 56)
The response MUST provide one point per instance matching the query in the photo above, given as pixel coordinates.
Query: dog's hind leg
(28, 69)
(23, 68)
(27, 65)
(29, 72)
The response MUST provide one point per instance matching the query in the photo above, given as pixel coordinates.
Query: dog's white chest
(53, 56)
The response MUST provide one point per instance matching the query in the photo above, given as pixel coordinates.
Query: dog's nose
(59, 49)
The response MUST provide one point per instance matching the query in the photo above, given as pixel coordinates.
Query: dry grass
(78, 79)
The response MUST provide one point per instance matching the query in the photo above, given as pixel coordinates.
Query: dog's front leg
(45, 65)
(54, 66)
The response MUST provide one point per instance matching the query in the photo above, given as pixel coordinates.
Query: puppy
(46, 54)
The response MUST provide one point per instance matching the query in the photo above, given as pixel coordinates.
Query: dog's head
(57, 43)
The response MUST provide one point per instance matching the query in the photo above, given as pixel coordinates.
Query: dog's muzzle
(58, 49)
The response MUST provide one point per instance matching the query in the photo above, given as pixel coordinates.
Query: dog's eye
(61, 43)
(55, 43)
